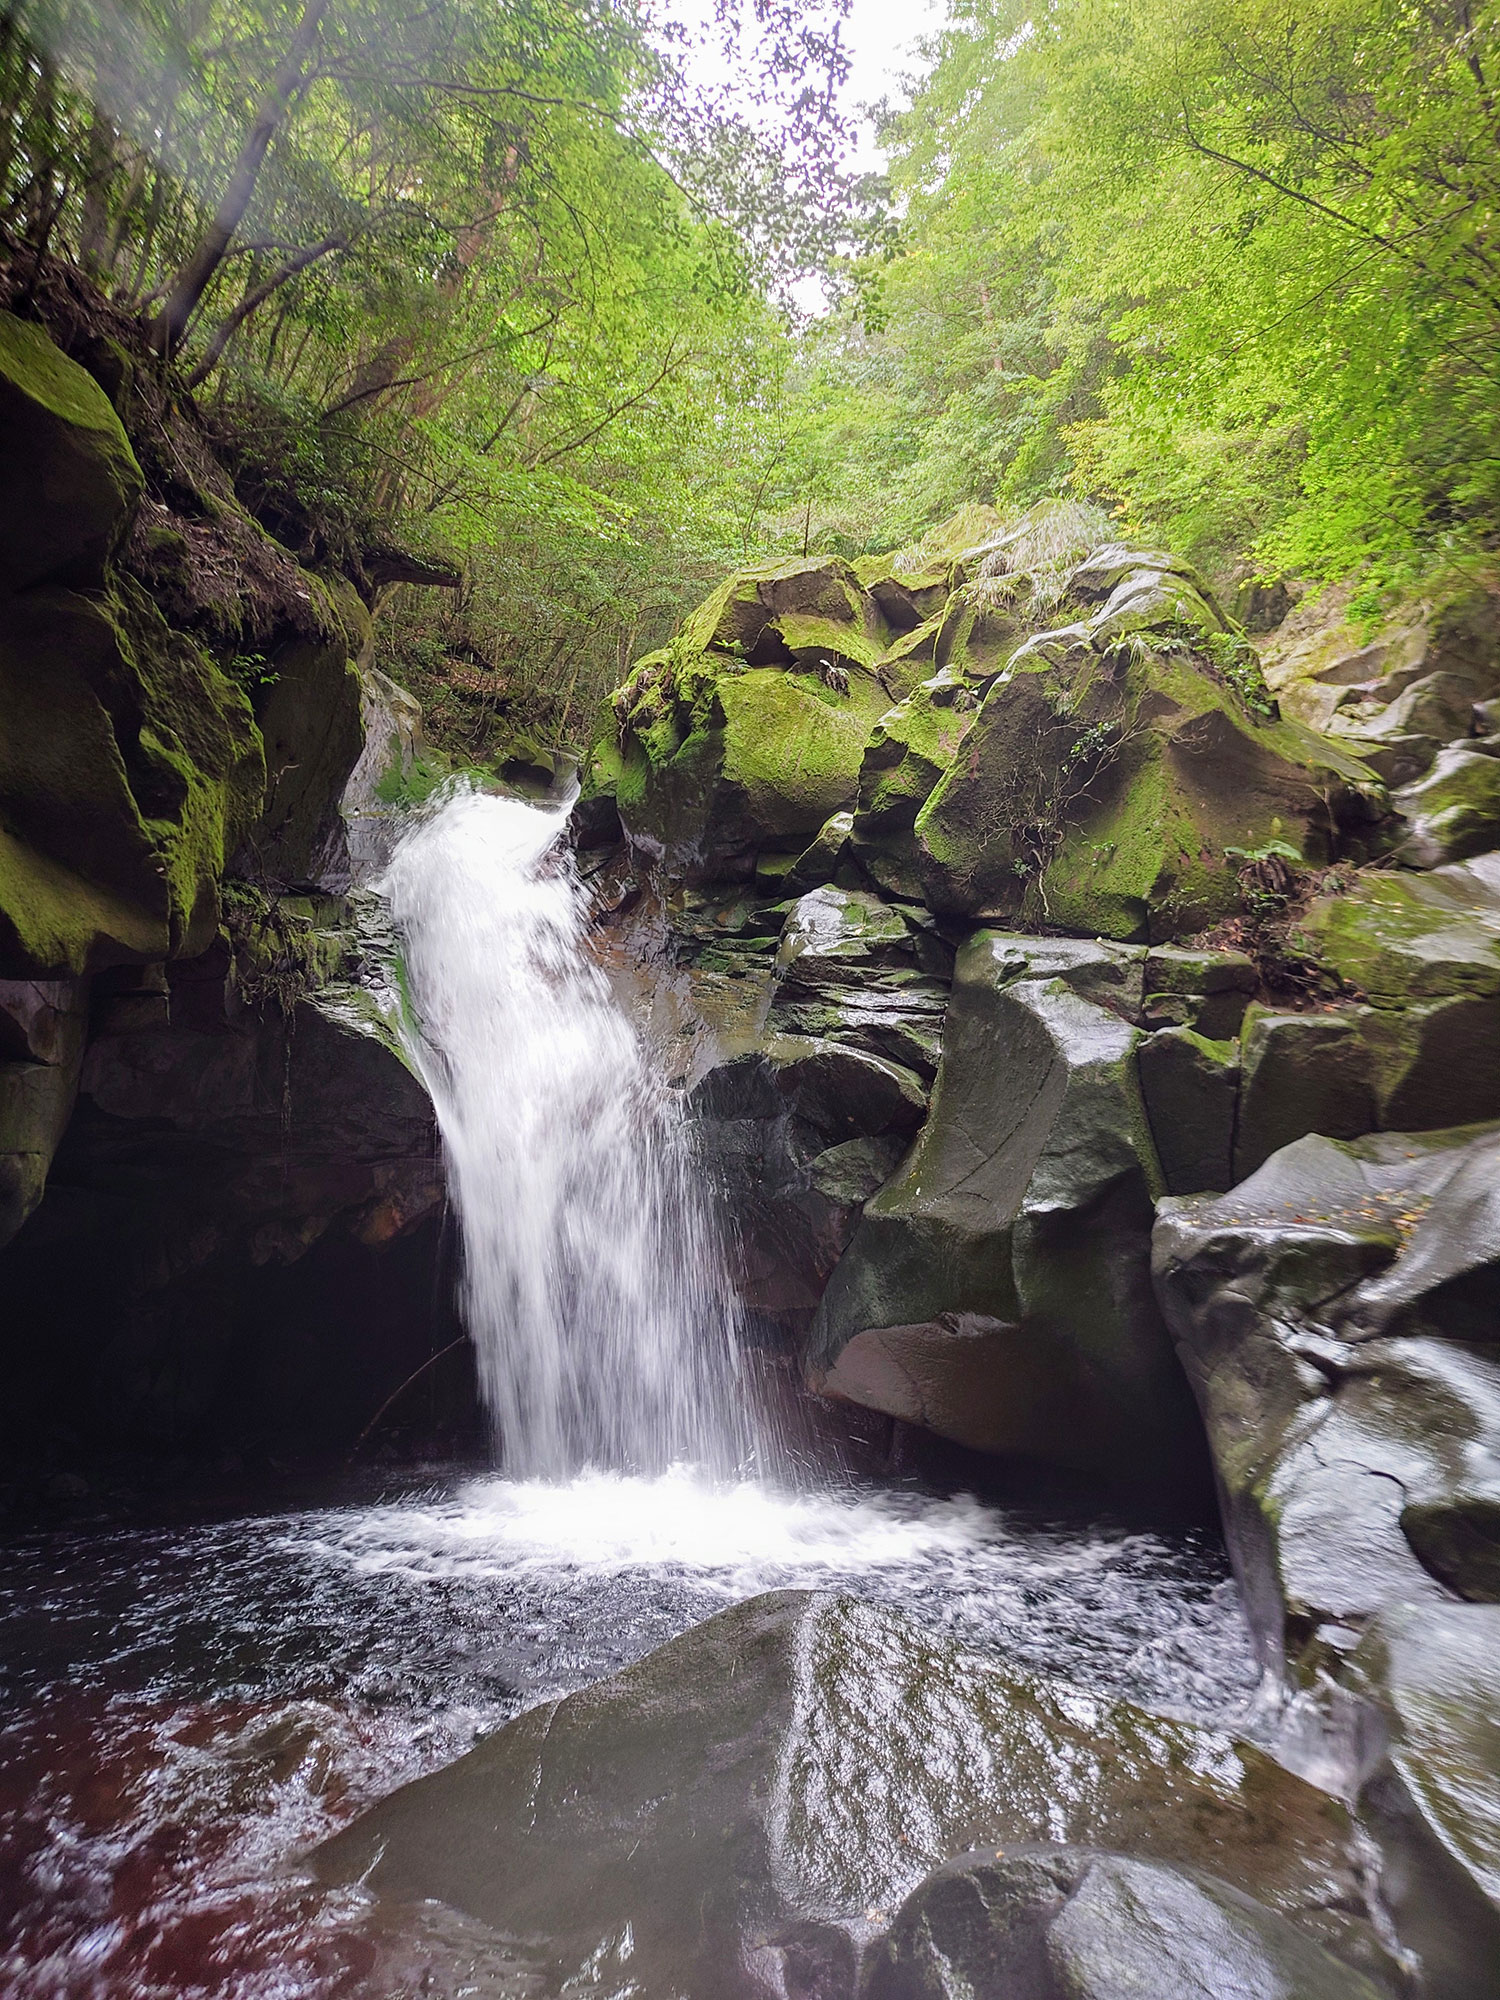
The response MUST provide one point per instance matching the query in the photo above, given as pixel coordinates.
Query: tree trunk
(192, 280)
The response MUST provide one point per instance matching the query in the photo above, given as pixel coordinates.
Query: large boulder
(739, 1811)
(1105, 778)
(130, 767)
(997, 1288)
(1431, 1788)
(69, 481)
(1336, 1317)
(747, 731)
(1064, 1923)
(1452, 812)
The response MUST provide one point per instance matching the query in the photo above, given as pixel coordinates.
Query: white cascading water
(593, 1287)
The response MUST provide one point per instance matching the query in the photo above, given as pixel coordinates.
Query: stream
(191, 1702)
(190, 1705)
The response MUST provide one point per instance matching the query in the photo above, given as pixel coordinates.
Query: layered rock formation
(1208, 1152)
(180, 1006)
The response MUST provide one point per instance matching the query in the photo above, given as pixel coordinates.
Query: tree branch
(256, 297)
(192, 280)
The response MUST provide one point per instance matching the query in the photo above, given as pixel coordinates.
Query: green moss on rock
(130, 766)
(69, 481)
(1100, 790)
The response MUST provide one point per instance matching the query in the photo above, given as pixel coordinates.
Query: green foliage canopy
(1231, 267)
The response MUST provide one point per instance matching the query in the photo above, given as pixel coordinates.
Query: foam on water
(634, 1557)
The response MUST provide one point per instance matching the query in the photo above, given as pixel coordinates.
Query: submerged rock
(741, 1810)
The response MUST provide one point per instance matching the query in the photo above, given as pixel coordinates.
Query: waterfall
(593, 1285)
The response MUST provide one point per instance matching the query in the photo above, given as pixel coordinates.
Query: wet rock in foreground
(1060, 1923)
(741, 1812)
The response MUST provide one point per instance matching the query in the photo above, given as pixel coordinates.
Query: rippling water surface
(187, 1707)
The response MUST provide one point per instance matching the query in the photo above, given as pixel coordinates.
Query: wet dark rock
(791, 1134)
(1301, 1073)
(1432, 1791)
(42, 1028)
(1013, 1243)
(853, 969)
(1061, 1923)
(823, 857)
(1454, 811)
(729, 1813)
(1334, 1316)
(239, 1237)
(1191, 1090)
(310, 711)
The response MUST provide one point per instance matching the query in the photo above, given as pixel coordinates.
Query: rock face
(239, 1235)
(230, 1127)
(71, 479)
(1336, 1315)
(1060, 1923)
(997, 1289)
(43, 1025)
(1431, 1788)
(1116, 738)
(741, 1812)
(1396, 696)
(129, 764)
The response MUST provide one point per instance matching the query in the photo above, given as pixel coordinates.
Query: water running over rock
(593, 1287)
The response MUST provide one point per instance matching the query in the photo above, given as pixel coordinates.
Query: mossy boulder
(1102, 783)
(1454, 811)
(1401, 936)
(909, 750)
(69, 481)
(748, 730)
(1395, 689)
(310, 712)
(130, 767)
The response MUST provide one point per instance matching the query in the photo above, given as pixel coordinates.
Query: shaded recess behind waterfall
(593, 1285)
